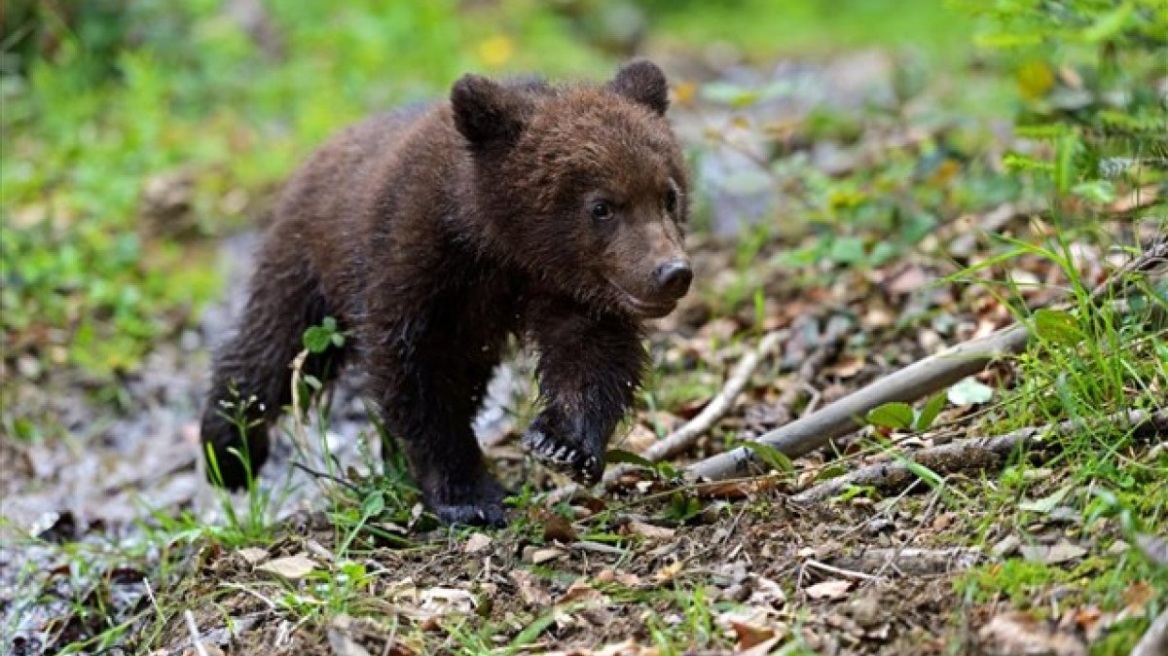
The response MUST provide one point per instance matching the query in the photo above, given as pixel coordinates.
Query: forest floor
(865, 222)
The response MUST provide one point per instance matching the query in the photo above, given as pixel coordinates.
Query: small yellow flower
(496, 50)
(1034, 79)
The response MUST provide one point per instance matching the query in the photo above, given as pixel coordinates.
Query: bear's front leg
(428, 402)
(589, 370)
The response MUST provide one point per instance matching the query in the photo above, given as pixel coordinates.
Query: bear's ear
(641, 81)
(486, 112)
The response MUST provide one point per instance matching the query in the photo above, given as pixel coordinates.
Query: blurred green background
(137, 132)
(208, 104)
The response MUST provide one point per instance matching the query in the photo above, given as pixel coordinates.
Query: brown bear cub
(555, 213)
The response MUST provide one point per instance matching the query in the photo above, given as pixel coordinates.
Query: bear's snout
(673, 278)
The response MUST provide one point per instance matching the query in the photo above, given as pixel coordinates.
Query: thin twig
(325, 475)
(971, 454)
(839, 571)
(687, 435)
(194, 631)
(683, 438)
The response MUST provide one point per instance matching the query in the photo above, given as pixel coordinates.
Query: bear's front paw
(581, 462)
(478, 501)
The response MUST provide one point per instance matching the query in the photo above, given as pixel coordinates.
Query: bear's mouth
(640, 307)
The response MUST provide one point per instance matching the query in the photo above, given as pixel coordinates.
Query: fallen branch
(909, 561)
(687, 435)
(919, 379)
(974, 454)
(683, 438)
(915, 381)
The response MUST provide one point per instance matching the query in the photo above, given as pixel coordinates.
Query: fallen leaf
(749, 635)
(761, 649)
(530, 590)
(290, 568)
(969, 391)
(341, 642)
(907, 280)
(639, 438)
(624, 578)
(541, 556)
(476, 543)
(253, 555)
(582, 592)
(647, 530)
(1047, 503)
(1137, 595)
(833, 589)
(443, 601)
(846, 367)
(1154, 547)
(558, 529)
(1018, 633)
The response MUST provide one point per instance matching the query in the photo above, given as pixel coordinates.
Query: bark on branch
(974, 454)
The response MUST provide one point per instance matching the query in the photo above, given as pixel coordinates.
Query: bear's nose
(673, 277)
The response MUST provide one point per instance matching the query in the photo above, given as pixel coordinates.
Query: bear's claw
(562, 457)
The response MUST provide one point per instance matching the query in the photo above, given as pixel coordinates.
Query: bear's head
(583, 187)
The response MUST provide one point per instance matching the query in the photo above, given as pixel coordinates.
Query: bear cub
(554, 213)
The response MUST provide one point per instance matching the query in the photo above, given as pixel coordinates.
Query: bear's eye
(671, 201)
(601, 211)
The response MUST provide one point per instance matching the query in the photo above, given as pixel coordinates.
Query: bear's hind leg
(251, 379)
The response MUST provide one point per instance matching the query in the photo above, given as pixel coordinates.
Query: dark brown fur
(552, 213)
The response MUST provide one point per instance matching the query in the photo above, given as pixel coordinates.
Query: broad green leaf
(969, 391)
(847, 250)
(929, 413)
(373, 504)
(771, 456)
(1057, 326)
(892, 415)
(618, 456)
(317, 339)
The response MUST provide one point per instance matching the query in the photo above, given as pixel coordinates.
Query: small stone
(1005, 546)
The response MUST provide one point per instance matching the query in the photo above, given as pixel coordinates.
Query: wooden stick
(971, 454)
(684, 437)
(921, 378)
